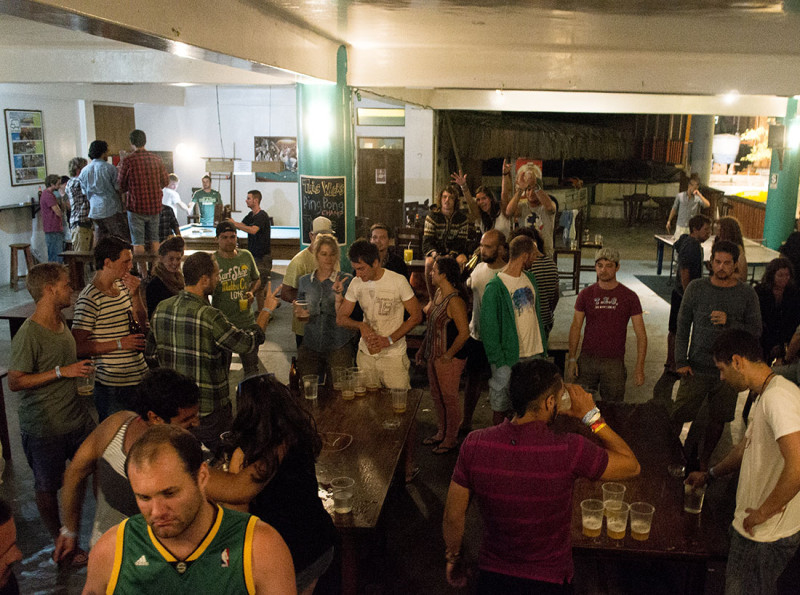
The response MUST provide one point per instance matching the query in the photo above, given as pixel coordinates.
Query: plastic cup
(301, 310)
(564, 402)
(693, 498)
(244, 304)
(342, 489)
(613, 492)
(373, 381)
(616, 518)
(359, 382)
(347, 385)
(311, 386)
(86, 385)
(641, 520)
(337, 375)
(399, 400)
(592, 517)
(408, 255)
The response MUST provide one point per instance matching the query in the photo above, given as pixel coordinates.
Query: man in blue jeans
(765, 533)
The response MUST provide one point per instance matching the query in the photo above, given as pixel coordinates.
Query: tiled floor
(413, 550)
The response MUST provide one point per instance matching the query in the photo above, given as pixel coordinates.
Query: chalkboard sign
(323, 196)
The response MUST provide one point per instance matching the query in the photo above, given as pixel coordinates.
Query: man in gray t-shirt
(53, 420)
(710, 306)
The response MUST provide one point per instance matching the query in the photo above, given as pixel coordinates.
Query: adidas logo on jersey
(141, 561)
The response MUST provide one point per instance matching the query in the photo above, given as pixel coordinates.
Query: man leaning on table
(522, 475)
(766, 523)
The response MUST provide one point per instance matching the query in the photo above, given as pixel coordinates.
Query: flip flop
(413, 475)
(443, 450)
(431, 440)
(77, 559)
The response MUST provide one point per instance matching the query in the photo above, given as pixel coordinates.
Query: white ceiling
(442, 53)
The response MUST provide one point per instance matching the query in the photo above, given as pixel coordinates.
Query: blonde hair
(531, 169)
(322, 240)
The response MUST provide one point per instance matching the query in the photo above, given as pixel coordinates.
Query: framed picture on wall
(279, 150)
(25, 138)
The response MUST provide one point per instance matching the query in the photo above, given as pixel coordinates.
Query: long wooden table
(756, 254)
(284, 241)
(357, 445)
(675, 535)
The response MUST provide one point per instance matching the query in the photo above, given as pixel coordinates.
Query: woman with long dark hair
(779, 298)
(448, 331)
(275, 445)
(484, 208)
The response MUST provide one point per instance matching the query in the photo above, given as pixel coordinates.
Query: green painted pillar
(325, 150)
(783, 183)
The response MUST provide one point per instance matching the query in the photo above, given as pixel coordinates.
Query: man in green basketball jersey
(182, 543)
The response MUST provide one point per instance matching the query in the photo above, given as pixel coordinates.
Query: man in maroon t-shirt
(522, 475)
(606, 306)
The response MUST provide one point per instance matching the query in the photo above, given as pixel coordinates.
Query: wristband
(390, 340)
(711, 473)
(267, 310)
(573, 359)
(591, 416)
(58, 372)
(119, 343)
(598, 425)
(64, 532)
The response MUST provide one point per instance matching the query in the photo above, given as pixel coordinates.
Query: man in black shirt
(379, 235)
(256, 224)
(689, 249)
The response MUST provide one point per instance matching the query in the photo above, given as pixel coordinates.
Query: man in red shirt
(606, 306)
(522, 475)
(142, 176)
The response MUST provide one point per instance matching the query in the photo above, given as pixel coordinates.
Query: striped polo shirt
(522, 477)
(106, 318)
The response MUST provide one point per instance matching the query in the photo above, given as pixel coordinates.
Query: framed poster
(279, 149)
(25, 137)
(323, 196)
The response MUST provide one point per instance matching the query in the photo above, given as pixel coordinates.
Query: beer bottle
(294, 380)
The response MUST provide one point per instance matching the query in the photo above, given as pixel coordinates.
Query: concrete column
(325, 141)
(702, 135)
(783, 183)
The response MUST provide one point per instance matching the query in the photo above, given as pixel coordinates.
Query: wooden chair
(409, 236)
(15, 249)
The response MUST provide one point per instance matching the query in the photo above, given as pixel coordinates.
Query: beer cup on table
(641, 520)
(342, 489)
(693, 498)
(616, 518)
(359, 382)
(399, 400)
(592, 517)
(338, 376)
(310, 386)
(613, 492)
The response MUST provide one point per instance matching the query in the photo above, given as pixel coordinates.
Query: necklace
(766, 382)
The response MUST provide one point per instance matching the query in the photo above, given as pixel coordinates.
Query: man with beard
(710, 306)
(181, 542)
(606, 306)
(526, 521)
(492, 249)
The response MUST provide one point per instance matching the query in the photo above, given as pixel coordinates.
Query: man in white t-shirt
(384, 296)
(478, 370)
(511, 327)
(766, 523)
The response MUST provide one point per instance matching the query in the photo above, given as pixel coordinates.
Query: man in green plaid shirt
(195, 339)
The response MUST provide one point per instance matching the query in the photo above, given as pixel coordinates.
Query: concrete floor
(410, 559)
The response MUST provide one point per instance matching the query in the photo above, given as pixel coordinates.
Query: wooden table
(756, 254)
(371, 459)
(674, 534)
(17, 315)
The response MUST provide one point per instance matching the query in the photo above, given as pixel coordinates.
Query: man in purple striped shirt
(522, 475)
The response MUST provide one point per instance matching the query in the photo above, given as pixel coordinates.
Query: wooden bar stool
(26, 249)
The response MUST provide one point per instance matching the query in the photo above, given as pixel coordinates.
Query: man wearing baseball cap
(606, 306)
(303, 263)
(239, 279)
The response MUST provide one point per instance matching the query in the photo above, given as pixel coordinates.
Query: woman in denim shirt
(325, 345)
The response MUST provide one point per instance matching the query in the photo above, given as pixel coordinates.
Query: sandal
(431, 440)
(77, 559)
(443, 450)
(412, 475)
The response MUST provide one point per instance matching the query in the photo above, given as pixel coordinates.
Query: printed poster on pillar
(25, 138)
(323, 196)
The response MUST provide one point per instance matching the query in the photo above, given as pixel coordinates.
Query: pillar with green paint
(325, 149)
(784, 176)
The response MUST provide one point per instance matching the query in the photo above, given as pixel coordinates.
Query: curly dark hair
(775, 265)
(268, 418)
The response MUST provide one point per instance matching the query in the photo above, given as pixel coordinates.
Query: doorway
(381, 181)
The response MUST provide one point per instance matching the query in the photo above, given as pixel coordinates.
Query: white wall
(62, 136)
(244, 112)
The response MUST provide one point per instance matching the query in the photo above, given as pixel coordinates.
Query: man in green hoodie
(511, 327)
